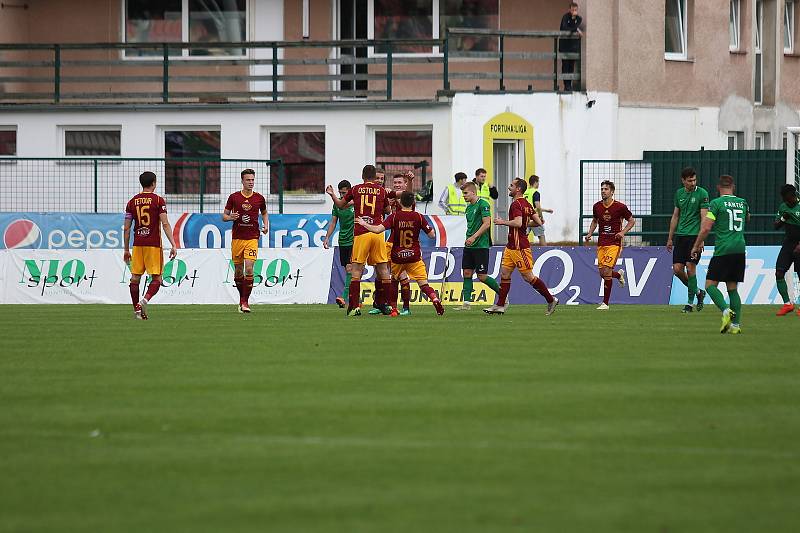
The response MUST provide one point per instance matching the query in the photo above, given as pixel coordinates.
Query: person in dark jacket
(570, 22)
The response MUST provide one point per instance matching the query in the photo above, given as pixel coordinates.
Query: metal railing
(279, 71)
(104, 185)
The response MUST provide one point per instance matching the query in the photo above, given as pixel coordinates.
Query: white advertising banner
(196, 276)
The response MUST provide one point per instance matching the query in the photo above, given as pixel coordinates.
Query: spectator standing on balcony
(452, 199)
(570, 22)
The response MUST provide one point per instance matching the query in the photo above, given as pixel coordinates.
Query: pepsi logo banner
(55, 231)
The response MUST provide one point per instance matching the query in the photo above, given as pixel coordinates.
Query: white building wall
(565, 131)
(660, 128)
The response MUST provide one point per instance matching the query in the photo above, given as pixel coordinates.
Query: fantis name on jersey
(740, 205)
(142, 201)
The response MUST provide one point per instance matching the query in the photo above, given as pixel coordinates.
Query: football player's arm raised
(338, 202)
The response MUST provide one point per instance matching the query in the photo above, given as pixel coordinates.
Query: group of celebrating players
(360, 210)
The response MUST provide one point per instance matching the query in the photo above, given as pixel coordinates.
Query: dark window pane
(8, 142)
(399, 151)
(404, 19)
(213, 21)
(479, 14)
(152, 21)
(192, 177)
(303, 155)
(91, 142)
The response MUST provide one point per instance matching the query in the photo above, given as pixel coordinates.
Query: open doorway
(507, 166)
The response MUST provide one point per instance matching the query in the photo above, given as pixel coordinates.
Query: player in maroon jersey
(147, 211)
(405, 225)
(517, 254)
(243, 208)
(369, 202)
(608, 214)
(400, 184)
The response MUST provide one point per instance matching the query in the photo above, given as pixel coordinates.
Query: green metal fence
(273, 71)
(104, 185)
(648, 188)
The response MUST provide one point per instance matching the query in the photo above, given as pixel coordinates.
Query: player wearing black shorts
(345, 217)
(691, 206)
(727, 216)
(788, 218)
(476, 245)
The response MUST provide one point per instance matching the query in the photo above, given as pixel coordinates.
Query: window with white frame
(675, 29)
(193, 21)
(788, 27)
(8, 140)
(762, 140)
(430, 19)
(733, 24)
(92, 141)
(735, 140)
(303, 155)
(191, 160)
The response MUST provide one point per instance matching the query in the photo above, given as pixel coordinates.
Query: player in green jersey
(788, 218)
(691, 206)
(727, 215)
(476, 245)
(344, 216)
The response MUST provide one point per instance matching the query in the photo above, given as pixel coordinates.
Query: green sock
(346, 291)
(692, 288)
(492, 284)
(736, 305)
(716, 295)
(466, 293)
(783, 290)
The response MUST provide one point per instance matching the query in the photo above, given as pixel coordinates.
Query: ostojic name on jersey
(366, 189)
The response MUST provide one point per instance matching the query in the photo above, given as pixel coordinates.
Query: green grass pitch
(295, 418)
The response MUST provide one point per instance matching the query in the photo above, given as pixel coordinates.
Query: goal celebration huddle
(366, 211)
